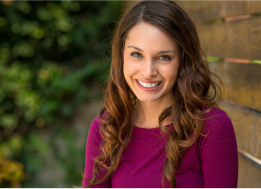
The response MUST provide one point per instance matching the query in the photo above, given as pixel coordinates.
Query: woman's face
(151, 63)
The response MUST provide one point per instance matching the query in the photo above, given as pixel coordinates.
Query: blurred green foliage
(49, 53)
(11, 173)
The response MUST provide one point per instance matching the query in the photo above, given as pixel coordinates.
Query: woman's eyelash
(136, 54)
(165, 57)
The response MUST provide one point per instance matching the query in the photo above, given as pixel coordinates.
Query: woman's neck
(146, 114)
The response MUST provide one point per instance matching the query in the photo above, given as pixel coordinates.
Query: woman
(160, 125)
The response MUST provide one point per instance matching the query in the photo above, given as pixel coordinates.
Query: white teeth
(149, 85)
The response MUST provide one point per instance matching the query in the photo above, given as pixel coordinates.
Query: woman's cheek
(130, 67)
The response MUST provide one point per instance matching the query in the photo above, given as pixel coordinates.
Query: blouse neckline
(149, 132)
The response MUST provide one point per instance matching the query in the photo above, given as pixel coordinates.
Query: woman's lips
(144, 81)
(150, 82)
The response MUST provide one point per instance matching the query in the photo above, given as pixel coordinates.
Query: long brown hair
(191, 91)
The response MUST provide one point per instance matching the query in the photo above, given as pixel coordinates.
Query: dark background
(52, 55)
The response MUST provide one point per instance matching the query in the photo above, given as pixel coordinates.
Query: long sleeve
(92, 151)
(218, 152)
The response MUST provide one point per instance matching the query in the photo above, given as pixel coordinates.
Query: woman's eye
(136, 54)
(165, 58)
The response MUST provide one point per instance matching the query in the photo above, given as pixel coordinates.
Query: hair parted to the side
(191, 91)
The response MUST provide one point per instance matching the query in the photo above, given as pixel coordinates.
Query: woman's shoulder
(217, 121)
(94, 130)
(214, 112)
(95, 123)
(218, 130)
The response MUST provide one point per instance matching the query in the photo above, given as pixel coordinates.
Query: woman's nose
(148, 69)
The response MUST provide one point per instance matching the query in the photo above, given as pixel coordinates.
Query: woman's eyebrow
(135, 48)
(157, 53)
(166, 52)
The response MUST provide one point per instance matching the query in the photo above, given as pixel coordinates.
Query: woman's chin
(147, 99)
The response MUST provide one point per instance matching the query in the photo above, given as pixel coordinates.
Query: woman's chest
(142, 166)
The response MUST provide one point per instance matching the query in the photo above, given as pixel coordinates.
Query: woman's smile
(148, 85)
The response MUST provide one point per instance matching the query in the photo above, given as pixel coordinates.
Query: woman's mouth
(149, 85)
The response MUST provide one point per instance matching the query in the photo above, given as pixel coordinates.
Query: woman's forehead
(148, 36)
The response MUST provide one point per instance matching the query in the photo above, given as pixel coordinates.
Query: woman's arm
(92, 151)
(218, 152)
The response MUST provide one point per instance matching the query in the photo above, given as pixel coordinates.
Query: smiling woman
(150, 67)
(160, 126)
